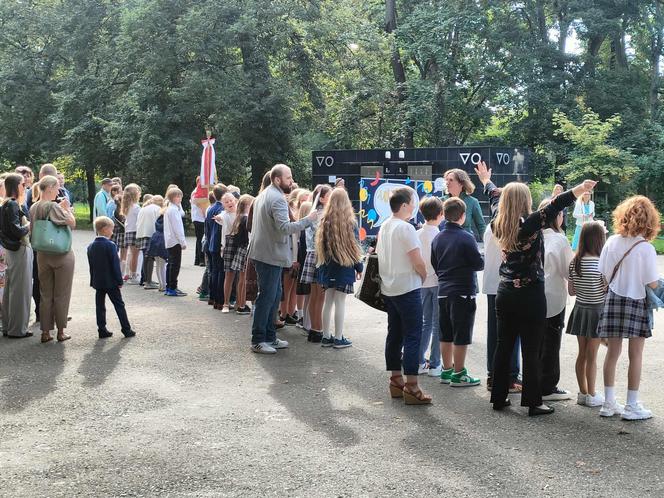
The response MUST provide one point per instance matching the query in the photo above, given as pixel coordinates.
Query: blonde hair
(157, 200)
(101, 222)
(302, 197)
(462, 177)
(147, 198)
(635, 216)
(335, 238)
(47, 181)
(305, 209)
(130, 196)
(243, 206)
(171, 194)
(293, 196)
(515, 203)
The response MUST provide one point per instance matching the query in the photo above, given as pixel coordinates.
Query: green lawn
(659, 245)
(82, 214)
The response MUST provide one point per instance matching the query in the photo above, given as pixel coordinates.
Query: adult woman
(459, 185)
(402, 271)
(14, 229)
(521, 301)
(584, 211)
(56, 271)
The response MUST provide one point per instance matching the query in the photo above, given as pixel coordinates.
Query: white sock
(610, 394)
(632, 397)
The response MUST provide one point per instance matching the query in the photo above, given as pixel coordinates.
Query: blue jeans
(492, 340)
(267, 302)
(404, 330)
(430, 327)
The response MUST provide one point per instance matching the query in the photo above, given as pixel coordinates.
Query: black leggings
(173, 266)
(520, 313)
(199, 229)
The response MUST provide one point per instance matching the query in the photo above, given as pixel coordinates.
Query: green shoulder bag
(49, 237)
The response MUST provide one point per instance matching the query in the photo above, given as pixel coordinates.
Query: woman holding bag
(56, 270)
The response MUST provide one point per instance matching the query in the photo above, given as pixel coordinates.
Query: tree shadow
(100, 361)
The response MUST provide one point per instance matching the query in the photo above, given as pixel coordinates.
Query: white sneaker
(593, 401)
(611, 408)
(636, 412)
(582, 398)
(423, 369)
(435, 372)
(557, 395)
(133, 281)
(278, 344)
(263, 348)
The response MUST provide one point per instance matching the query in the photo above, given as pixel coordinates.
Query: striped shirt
(590, 286)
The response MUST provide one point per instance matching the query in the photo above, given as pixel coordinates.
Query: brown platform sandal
(396, 389)
(63, 337)
(412, 397)
(46, 337)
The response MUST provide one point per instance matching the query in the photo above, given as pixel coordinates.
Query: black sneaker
(129, 333)
(289, 320)
(245, 310)
(300, 323)
(104, 334)
(315, 336)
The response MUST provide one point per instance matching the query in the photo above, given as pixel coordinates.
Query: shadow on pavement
(101, 360)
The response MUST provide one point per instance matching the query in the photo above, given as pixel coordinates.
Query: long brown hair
(130, 196)
(515, 203)
(591, 242)
(243, 206)
(335, 238)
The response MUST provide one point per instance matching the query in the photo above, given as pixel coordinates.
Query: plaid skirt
(239, 262)
(309, 270)
(129, 239)
(623, 317)
(347, 289)
(118, 236)
(143, 243)
(230, 249)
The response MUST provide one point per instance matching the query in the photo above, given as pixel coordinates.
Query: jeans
(216, 277)
(404, 330)
(173, 266)
(430, 333)
(267, 302)
(550, 353)
(492, 339)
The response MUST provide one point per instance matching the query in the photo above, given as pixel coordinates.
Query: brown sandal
(46, 337)
(415, 397)
(396, 389)
(63, 338)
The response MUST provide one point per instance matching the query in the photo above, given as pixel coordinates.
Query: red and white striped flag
(208, 168)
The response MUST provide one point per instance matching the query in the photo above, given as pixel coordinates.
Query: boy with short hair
(456, 257)
(106, 277)
(432, 211)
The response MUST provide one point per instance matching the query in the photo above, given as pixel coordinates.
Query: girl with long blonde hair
(129, 208)
(521, 300)
(288, 303)
(238, 240)
(338, 258)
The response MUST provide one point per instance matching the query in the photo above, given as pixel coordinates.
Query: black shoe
(289, 320)
(534, 411)
(499, 406)
(104, 334)
(315, 336)
(27, 334)
(279, 325)
(129, 333)
(245, 310)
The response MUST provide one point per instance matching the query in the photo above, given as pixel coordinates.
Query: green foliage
(540, 190)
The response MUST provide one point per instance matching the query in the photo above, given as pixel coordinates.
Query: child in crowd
(228, 249)
(204, 289)
(301, 250)
(118, 237)
(174, 240)
(432, 211)
(116, 190)
(239, 239)
(338, 259)
(588, 284)
(145, 227)
(288, 304)
(629, 263)
(129, 209)
(157, 249)
(303, 290)
(557, 257)
(456, 257)
(310, 272)
(106, 277)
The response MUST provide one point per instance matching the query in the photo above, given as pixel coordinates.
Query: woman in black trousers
(520, 302)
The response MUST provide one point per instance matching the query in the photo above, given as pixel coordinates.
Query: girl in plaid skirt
(629, 264)
(130, 209)
(235, 257)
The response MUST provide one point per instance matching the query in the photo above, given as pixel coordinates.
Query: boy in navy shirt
(456, 257)
(106, 277)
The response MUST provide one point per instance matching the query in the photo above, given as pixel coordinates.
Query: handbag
(369, 291)
(49, 237)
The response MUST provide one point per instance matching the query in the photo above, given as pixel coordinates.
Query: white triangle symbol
(464, 156)
(320, 160)
(499, 155)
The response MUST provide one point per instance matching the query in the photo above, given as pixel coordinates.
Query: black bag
(369, 291)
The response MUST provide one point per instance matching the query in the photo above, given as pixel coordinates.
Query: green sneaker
(462, 379)
(446, 375)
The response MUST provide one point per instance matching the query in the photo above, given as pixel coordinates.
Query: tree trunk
(594, 45)
(655, 56)
(92, 188)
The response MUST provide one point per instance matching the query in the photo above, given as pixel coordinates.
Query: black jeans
(148, 267)
(492, 337)
(520, 313)
(199, 230)
(173, 266)
(115, 296)
(550, 352)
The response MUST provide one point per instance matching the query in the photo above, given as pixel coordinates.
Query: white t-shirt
(636, 271)
(426, 234)
(227, 220)
(197, 214)
(395, 240)
(557, 257)
(132, 218)
(146, 220)
(493, 257)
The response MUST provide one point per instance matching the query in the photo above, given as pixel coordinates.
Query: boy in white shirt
(432, 211)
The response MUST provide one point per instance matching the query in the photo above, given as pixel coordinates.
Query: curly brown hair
(636, 215)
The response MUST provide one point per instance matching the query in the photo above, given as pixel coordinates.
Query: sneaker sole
(342, 347)
(243, 312)
(556, 398)
(609, 414)
(326, 345)
(464, 384)
(444, 381)
(632, 419)
(262, 351)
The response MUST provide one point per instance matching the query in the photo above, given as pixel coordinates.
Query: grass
(82, 215)
(659, 245)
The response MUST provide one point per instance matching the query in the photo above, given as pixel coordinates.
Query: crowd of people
(290, 257)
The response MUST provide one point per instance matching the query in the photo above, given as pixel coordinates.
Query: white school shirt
(493, 257)
(197, 214)
(396, 239)
(426, 234)
(132, 218)
(227, 220)
(147, 217)
(636, 271)
(557, 257)
(173, 227)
